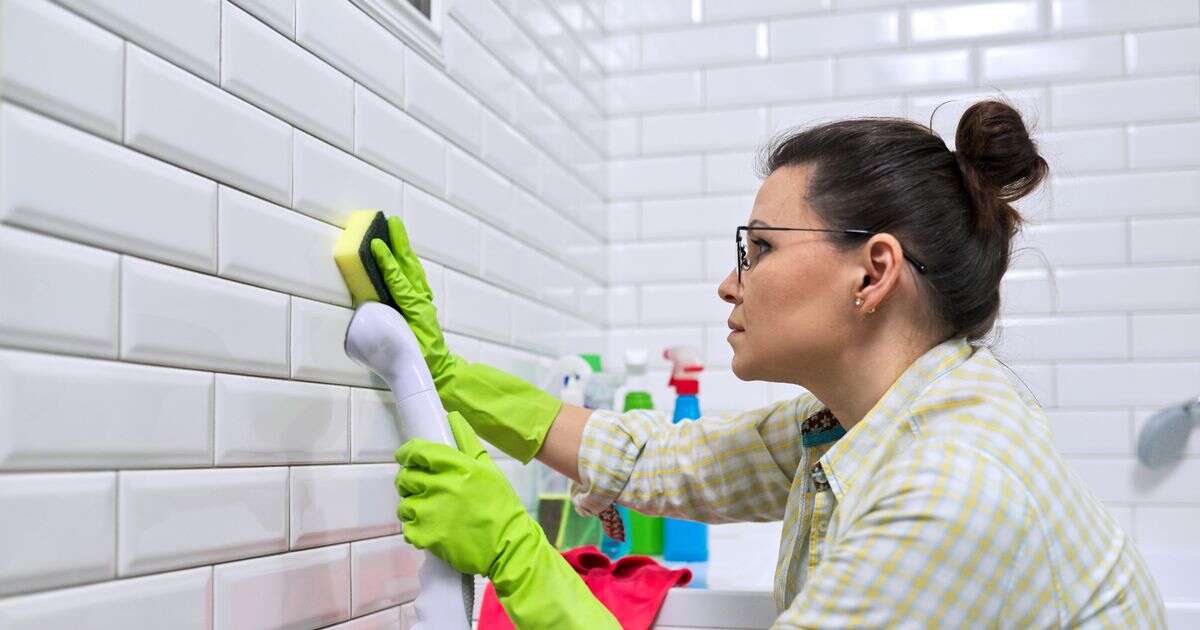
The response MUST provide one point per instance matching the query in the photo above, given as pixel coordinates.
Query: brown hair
(949, 209)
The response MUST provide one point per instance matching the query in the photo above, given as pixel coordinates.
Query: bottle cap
(593, 360)
(638, 400)
(685, 387)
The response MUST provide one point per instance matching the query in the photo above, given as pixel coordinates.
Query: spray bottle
(601, 386)
(600, 395)
(568, 379)
(644, 532)
(685, 540)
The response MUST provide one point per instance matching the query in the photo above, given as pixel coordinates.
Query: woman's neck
(851, 384)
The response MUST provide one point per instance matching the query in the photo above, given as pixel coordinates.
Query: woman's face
(795, 306)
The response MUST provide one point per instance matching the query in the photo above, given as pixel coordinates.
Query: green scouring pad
(352, 253)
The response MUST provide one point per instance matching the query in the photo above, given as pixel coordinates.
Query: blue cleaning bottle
(684, 540)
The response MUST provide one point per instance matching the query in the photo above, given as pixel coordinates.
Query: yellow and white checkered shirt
(946, 505)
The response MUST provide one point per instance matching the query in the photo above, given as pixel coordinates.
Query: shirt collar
(843, 458)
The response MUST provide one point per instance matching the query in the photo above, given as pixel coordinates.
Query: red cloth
(632, 588)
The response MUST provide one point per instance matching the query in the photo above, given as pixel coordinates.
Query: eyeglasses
(747, 259)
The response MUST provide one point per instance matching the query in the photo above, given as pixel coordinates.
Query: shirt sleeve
(943, 535)
(715, 469)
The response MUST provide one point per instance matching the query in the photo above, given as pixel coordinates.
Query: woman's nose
(729, 289)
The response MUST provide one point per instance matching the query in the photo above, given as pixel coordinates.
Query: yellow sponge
(352, 253)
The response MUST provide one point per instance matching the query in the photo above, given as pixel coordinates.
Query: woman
(916, 485)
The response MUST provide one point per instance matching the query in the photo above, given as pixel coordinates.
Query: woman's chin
(739, 367)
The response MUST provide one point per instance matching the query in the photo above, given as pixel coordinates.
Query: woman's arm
(560, 450)
(714, 469)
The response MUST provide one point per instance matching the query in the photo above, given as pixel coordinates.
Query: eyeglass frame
(743, 260)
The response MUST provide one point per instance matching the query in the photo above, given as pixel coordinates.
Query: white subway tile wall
(119, 199)
(172, 180)
(1101, 311)
(172, 519)
(58, 529)
(184, 120)
(315, 584)
(183, 442)
(78, 77)
(179, 599)
(386, 570)
(188, 35)
(269, 70)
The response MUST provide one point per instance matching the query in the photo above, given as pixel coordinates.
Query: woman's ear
(883, 260)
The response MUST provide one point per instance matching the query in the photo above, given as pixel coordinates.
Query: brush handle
(380, 339)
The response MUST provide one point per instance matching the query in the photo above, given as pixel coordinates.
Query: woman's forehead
(780, 200)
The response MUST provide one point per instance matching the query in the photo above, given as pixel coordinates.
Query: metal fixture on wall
(1166, 433)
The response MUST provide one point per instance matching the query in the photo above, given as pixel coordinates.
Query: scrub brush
(352, 253)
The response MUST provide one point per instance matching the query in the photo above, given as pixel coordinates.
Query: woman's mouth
(734, 329)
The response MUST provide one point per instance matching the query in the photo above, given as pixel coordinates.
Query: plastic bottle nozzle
(685, 369)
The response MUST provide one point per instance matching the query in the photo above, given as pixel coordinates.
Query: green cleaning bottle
(645, 532)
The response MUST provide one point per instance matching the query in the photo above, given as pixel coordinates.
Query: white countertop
(707, 608)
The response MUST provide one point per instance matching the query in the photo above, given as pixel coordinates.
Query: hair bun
(999, 162)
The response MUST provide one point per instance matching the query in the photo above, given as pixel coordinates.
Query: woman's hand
(405, 279)
(459, 506)
(456, 503)
(507, 411)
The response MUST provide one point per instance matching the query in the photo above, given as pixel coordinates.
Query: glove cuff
(505, 410)
(538, 588)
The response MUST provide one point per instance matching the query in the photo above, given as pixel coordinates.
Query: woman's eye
(760, 245)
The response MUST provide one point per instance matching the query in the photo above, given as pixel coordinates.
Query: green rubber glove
(505, 410)
(460, 507)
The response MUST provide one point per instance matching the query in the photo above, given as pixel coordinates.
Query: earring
(858, 302)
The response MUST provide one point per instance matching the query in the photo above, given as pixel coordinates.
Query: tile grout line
(220, 42)
(124, 92)
(120, 302)
(116, 524)
(291, 315)
(212, 435)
